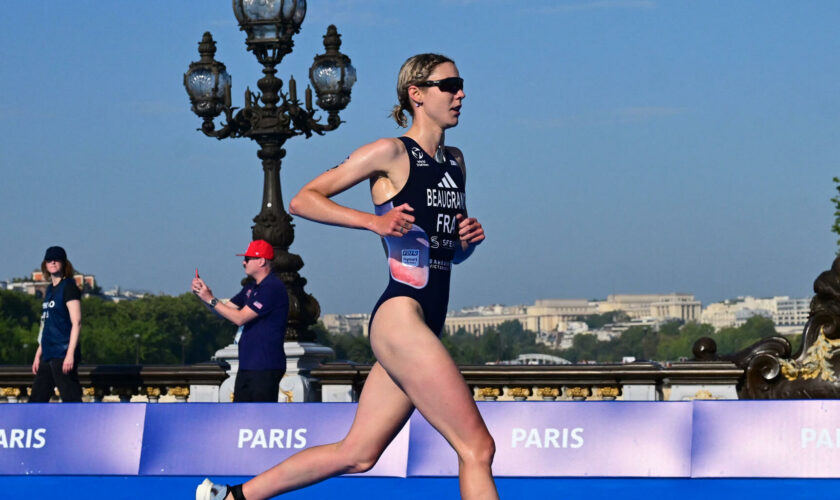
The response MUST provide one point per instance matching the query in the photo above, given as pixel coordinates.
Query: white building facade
(789, 315)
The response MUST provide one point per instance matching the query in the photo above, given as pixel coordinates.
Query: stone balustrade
(342, 382)
(127, 383)
(644, 381)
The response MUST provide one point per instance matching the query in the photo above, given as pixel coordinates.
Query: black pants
(50, 376)
(257, 386)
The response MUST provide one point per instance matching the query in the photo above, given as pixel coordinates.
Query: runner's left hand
(469, 229)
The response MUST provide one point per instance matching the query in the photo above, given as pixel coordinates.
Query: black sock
(236, 491)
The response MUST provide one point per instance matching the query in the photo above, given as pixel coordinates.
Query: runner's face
(441, 106)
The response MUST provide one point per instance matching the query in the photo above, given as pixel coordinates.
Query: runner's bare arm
(375, 159)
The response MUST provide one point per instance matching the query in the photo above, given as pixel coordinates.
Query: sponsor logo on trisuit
(447, 182)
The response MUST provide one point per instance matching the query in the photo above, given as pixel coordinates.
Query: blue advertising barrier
(766, 439)
(700, 439)
(537, 439)
(71, 438)
(248, 438)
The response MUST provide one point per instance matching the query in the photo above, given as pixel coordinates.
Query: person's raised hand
(201, 289)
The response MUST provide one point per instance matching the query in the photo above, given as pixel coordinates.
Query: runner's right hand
(395, 222)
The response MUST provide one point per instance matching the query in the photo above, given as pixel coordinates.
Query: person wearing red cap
(261, 308)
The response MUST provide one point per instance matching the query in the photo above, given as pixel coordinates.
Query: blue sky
(612, 146)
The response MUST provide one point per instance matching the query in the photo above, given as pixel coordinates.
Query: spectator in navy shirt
(56, 362)
(262, 307)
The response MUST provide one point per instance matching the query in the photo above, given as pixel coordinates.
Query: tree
(19, 322)
(461, 346)
(161, 322)
(836, 200)
(348, 347)
(584, 348)
(680, 346)
(731, 340)
(596, 321)
(108, 329)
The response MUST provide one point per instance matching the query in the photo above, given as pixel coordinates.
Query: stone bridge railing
(334, 382)
(600, 382)
(146, 383)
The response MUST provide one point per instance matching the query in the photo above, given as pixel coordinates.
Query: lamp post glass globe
(208, 89)
(332, 75)
(269, 20)
(207, 81)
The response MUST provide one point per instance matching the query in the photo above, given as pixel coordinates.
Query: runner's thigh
(417, 361)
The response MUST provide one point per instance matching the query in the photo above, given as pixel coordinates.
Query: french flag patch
(258, 304)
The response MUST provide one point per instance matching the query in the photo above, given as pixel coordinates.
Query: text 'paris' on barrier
(702, 439)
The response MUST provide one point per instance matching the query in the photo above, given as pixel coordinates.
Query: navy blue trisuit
(420, 262)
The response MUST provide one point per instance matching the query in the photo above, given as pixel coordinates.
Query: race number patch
(411, 257)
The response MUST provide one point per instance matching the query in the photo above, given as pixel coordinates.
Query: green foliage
(160, 322)
(354, 348)
(730, 340)
(584, 347)
(505, 342)
(109, 329)
(672, 342)
(836, 200)
(596, 321)
(19, 322)
(678, 345)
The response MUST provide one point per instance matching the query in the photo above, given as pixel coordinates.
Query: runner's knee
(480, 451)
(362, 464)
(359, 459)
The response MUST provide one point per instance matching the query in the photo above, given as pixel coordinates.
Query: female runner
(417, 187)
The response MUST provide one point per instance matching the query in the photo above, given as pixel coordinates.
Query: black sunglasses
(452, 84)
(249, 258)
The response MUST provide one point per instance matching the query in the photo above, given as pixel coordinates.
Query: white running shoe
(208, 490)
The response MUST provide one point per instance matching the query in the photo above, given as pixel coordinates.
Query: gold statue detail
(816, 363)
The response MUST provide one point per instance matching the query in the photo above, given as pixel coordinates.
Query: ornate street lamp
(270, 25)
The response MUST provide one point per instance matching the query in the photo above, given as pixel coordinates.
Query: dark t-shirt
(261, 344)
(55, 337)
(72, 292)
